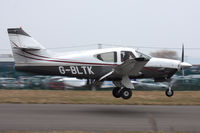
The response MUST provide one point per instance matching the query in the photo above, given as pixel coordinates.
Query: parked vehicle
(71, 83)
(10, 83)
(53, 83)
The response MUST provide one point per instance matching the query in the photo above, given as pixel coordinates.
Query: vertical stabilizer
(24, 47)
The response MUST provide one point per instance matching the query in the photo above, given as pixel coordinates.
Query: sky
(68, 25)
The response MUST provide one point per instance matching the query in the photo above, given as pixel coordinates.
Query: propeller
(182, 59)
(183, 64)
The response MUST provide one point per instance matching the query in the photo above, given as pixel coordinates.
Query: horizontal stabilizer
(27, 48)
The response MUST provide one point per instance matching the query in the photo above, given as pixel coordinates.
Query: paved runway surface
(48, 117)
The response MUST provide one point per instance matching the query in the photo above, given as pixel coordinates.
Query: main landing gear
(122, 92)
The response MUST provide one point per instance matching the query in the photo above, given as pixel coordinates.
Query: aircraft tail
(20, 39)
(24, 47)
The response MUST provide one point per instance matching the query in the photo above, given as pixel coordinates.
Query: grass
(98, 97)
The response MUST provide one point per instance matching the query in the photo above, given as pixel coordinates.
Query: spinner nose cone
(185, 65)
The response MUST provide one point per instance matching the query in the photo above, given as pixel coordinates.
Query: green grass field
(98, 97)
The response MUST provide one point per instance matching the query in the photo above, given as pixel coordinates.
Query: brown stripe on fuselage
(86, 63)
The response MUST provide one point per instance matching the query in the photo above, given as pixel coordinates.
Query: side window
(125, 55)
(107, 57)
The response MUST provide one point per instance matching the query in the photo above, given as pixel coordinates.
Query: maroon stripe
(29, 52)
(59, 60)
(15, 44)
(86, 63)
(68, 61)
(38, 55)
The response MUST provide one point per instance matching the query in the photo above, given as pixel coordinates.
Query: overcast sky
(85, 23)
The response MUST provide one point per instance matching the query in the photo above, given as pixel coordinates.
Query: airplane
(118, 65)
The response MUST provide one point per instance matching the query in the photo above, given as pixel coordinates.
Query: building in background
(6, 65)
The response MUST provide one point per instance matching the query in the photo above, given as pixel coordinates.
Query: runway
(89, 117)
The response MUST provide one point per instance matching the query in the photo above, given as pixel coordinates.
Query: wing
(129, 67)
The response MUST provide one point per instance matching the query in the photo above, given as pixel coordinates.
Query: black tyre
(169, 93)
(116, 92)
(126, 93)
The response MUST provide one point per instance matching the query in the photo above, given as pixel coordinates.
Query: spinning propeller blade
(182, 59)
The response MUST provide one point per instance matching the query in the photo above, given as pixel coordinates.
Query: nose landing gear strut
(169, 92)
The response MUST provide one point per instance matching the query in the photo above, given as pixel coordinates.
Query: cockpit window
(142, 55)
(125, 55)
(107, 57)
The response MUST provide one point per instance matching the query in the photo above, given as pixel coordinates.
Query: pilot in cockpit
(126, 55)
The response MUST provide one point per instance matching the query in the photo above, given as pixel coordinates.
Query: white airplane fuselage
(83, 64)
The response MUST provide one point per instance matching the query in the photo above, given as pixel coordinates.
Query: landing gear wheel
(116, 92)
(126, 93)
(169, 92)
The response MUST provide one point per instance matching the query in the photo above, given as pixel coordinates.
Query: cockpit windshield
(142, 55)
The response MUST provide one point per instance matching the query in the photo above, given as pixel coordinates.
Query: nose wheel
(169, 92)
(124, 93)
